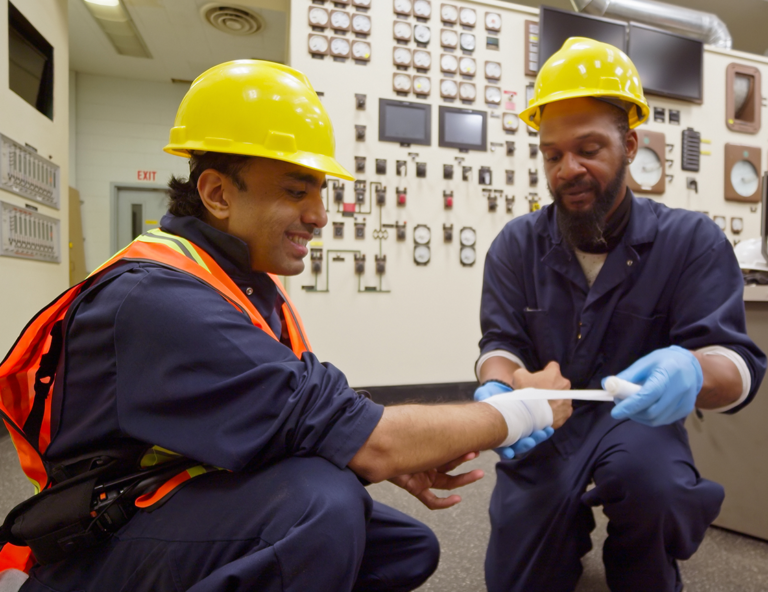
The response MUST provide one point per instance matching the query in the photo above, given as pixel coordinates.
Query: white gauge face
(468, 66)
(493, 21)
(361, 50)
(493, 70)
(510, 121)
(422, 8)
(449, 38)
(421, 254)
(422, 34)
(421, 234)
(361, 23)
(467, 237)
(467, 42)
(318, 17)
(339, 19)
(402, 82)
(318, 44)
(720, 221)
(448, 63)
(448, 88)
(421, 85)
(737, 225)
(468, 17)
(467, 91)
(646, 168)
(492, 95)
(363, 3)
(449, 13)
(422, 59)
(402, 31)
(468, 255)
(744, 178)
(339, 47)
(402, 56)
(403, 6)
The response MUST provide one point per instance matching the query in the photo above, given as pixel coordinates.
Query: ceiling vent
(235, 20)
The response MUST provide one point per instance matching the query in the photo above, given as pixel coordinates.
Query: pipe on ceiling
(692, 23)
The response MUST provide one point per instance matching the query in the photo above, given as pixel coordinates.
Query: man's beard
(583, 230)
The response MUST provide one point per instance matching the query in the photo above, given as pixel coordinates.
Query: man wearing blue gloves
(601, 283)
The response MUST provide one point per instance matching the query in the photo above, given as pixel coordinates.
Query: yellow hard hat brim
(532, 115)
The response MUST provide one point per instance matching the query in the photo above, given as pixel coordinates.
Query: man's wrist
(506, 384)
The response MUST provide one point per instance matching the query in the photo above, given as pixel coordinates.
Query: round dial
(468, 17)
(339, 46)
(449, 38)
(493, 70)
(422, 9)
(448, 88)
(421, 85)
(468, 255)
(737, 225)
(402, 31)
(403, 6)
(361, 50)
(421, 234)
(449, 13)
(421, 254)
(402, 82)
(493, 21)
(646, 168)
(448, 63)
(510, 121)
(318, 17)
(492, 95)
(339, 20)
(744, 178)
(467, 42)
(318, 44)
(720, 221)
(468, 66)
(467, 237)
(361, 23)
(422, 59)
(402, 56)
(467, 91)
(363, 3)
(422, 34)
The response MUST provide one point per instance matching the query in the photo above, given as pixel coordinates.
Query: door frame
(114, 188)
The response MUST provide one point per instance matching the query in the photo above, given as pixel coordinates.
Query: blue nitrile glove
(491, 388)
(671, 379)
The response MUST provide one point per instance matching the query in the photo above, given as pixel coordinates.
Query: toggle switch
(359, 191)
(493, 203)
(421, 169)
(466, 173)
(381, 166)
(510, 148)
(381, 196)
(510, 177)
(338, 193)
(447, 199)
(359, 164)
(360, 102)
(381, 264)
(534, 150)
(402, 196)
(400, 168)
(400, 231)
(359, 264)
(448, 171)
(447, 233)
(533, 177)
(316, 257)
(484, 176)
(360, 230)
(338, 230)
(510, 203)
(360, 133)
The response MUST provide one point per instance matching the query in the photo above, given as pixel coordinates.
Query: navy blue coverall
(672, 280)
(154, 356)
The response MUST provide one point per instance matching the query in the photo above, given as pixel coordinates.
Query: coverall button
(629, 262)
(249, 290)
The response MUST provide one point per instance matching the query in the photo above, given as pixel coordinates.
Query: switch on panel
(360, 133)
(381, 166)
(338, 193)
(400, 231)
(359, 264)
(359, 164)
(360, 102)
(448, 171)
(338, 230)
(316, 257)
(534, 150)
(381, 196)
(401, 168)
(359, 191)
(484, 176)
(493, 203)
(381, 264)
(510, 147)
(447, 199)
(421, 169)
(466, 173)
(510, 177)
(533, 177)
(402, 196)
(510, 204)
(360, 230)
(447, 233)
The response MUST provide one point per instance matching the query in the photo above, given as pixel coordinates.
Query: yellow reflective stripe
(172, 238)
(107, 262)
(157, 456)
(196, 471)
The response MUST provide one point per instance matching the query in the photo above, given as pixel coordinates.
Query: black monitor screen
(555, 26)
(669, 65)
(404, 122)
(462, 128)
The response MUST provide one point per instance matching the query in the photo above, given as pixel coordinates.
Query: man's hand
(549, 378)
(420, 484)
(671, 379)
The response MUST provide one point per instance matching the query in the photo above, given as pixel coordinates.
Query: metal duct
(692, 23)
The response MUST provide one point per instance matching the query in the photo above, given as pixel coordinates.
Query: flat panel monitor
(405, 122)
(464, 129)
(555, 26)
(669, 65)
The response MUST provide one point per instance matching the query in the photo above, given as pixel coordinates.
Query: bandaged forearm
(522, 417)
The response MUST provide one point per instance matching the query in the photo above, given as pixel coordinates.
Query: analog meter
(742, 173)
(467, 256)
(647, 170)
(448, 89)
(422, 234)
(402, 31)
(467, 66)
(422, 59)
(422, 34)
(403, 7)
(467, 237)
(318, 44)
(744, 178)
(318, 17)
(401, 56)
(510, 122)
(339, 47)
(361, 50)
(421, 85)
(449, 13)
(449, 63)
(401, 83)
(422, 9)
(468, 17)
(362, 3)
(340, 20)
(467, 42)
(493, 70)
(361, 23)
(421, 254)
(493, 95)
(493, 21)
(449, 38)
(467, 91)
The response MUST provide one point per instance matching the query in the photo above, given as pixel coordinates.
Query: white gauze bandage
(522, 417)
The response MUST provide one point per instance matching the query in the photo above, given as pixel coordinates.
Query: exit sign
(146, 175)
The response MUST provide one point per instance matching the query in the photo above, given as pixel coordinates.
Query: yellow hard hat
(256, 108)
(587, 68)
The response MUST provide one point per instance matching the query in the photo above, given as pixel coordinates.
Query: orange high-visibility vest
(25, 392)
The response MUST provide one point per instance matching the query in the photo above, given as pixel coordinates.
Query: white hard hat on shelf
(750, 256)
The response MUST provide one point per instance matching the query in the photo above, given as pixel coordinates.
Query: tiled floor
(726, 562)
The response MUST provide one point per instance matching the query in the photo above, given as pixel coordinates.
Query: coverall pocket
(631, 336)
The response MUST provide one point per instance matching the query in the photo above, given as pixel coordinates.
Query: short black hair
(184, 197)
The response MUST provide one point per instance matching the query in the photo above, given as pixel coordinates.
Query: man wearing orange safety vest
(170, 410)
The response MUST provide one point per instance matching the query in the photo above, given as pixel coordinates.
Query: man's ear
(211, 186)
(631, 144)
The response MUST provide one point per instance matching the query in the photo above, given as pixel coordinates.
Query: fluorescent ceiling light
(114, 20)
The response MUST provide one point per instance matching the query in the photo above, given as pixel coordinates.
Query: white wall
(27, 286)
(122, 126)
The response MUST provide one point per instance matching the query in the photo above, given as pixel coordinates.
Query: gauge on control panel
(422, 34)
(361, 50)
(422, 9)
(402, 7)
(467, 91)
(449, 38)
(467, 236)
(421, 254)
(318, 44)
(467, 256)
(402, 31)
(646, 167)
(449, 13)
(421, 234)
(422, 59)
(744, 177)
(401, 83)
(318, 17)
(510, 122)
(468, 66)
(339, 47)
(361, 23)
(449, 63)
(493, 95)
(448, 89)
(401, 56)
(493, 21)
(467, 42)
(493, 70)
(340, 20)
(468, 17)
(421, 85)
